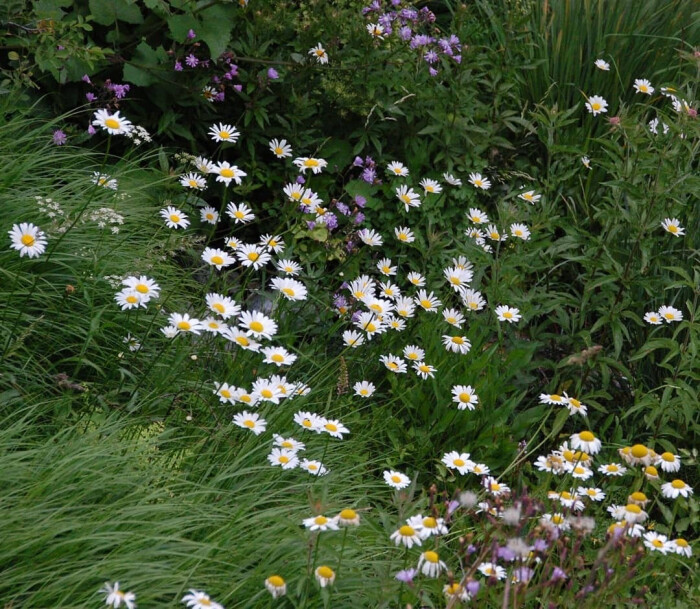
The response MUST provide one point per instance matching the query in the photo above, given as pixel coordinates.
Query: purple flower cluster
(369, 169)
(225, 71)
(109, 93)
(409, 22)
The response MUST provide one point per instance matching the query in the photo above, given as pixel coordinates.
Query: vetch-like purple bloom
(472, 587)
(300, 180)
(407, 575)
(86, 79)
(272, 74)
(91, 97)
(342, 208)
(238, 88)
(59, 137)
(360, 201)
(177, 67)
(310, 224)
(359, 218)
(191, 34)
(558, 574)
(358, 162)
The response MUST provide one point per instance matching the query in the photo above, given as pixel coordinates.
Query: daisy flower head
(578, 471)
(276, 586)
(325, 576)
(280, 148)
(416, 279)
(397, 169)
(112, 123)
(490, 569)
(208, 215)
(405, 234)
(257, 324)
(315, 165)
(369, 323)
(408, 197)
(612, 469)
(393, 363)
(240, 212)
(283, 457)
(217, 258)
(669, 462)
(477, 216)
(222, 305)
(521, 231)
(456, 344)
(480, 469)
(384, 266)
(405, 307)
(413, 353)
(657, 542)
(596, 105)
(225, 172)
(601, 64)
(294, 192)
(194, 181)
(428, 525)
(28, 239)
(681, 546)
(184, 323)
(670, 314)
(250, 420)
(353, 339)
(430, 186)
(673, 226)
(530, 196)
(586, 441)
(453, 317)
(479, 181)
(406, 536)
(465, 397)
(506, 313)
(114, 597)
(575, 406)
(396, 479)
(494, 487)
(390, 290)
(278, 356)
(586, 162)
(676, 488)
(102, 179)
(225, 392)
(473, 300)
(288, 267)
(203, 164)
(430, 565)
(291, 289)
(174, 218)
(315, 468)
(308, 420)
(273, 243)
(334, 428)
(458, 461)
(642, 85)
(214, 325)
(196, 599)
(424, 370)
(253, 255)
(428, 301)
(241, 338)
(494, 234)
(319, 53)
(224, 133)
(653, 318)
(364, 389)
(451, 180)
(375, 30)
(370, 237)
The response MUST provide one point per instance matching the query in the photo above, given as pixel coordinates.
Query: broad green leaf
(108, 12)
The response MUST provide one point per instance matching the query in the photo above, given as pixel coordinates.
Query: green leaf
(50, 9)
(107, 13)
(215, 28)
(179, 25)
(145, 59)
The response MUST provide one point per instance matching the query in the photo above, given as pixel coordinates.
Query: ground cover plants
(339, 304)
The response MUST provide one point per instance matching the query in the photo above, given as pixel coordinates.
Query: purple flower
(59, 138)
(558, 574)
(368, 175)
(359, 218)
(506, 554)
(86, 79)
(432, 71)
(91, 97)
(360, 201)
(342, 208)
(452, 506)
(272, 74)
(177, 67)
(540, 545)
(523, 574)
(191, 61)
(471, 548)
(457, 58)
(91, 130)
(330, 220)
(238, 88)
(191, 34)
(405, 33)
(300, 180)
(431, 56)
(406, 576)
(358, 162)
(339, 300)
(472, 587)
(219, 97)
(355, 317)
(60, 47)
(310, 224)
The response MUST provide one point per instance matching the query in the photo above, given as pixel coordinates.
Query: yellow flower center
(495, 235)
(639, 451)
(668, 457)
(643, 88)
(184, 325)
(277, 358)
(249, 424)
(668, 315)
(312, 466)
(612, 468)
(458, 462)
(131, 299)
(457, 340)
(678, 484)
(192, 183)
(638, 496)
(405, 198)
(279, 151)
(429, 522)
(217, 260)
(595, 106)
(245, 398)
(174, 218)
(557, 519)
(465, 397)
(224, 135)
(508, 315)
(651, 471)
(226, 173)
(406, 531)
(681, 542)
(307, 423)
(112, 123)
(396, 479)
(426, 304)
(565, 495)
(495, 486)
(393, 365)
(431, 556)
(27, 240)
(253, 256)
(586, 436)
(424, 368)
(218, 307)
(320, 52)
(320, 520)
(256, 326)
(331, 427)
(243, 341)
(266, 393)
(348, 514)
(312, 162)
(672, 228)
(325, 572)
(370, 327)
(276, 581)
(283, 459)
(225, 393)
(635, 509)
(478, 183)
(142, 288)
(403, 236)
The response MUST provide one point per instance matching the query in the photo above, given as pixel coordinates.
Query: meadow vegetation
(333, 304)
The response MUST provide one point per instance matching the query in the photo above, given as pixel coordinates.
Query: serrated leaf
(145, 58)
(107, 13)
(215, 28)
